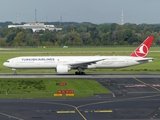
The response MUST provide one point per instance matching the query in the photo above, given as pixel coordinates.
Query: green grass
(74, 49)
(46, 88)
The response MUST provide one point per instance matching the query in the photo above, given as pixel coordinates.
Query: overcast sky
(95, 11)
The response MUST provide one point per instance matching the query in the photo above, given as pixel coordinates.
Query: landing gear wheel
(15, 73)
(80, 73)
(77, 73)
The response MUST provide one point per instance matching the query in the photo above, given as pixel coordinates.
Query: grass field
(110, 51)
(46, 88)
(74, 49)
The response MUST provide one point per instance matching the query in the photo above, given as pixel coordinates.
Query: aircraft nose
(4, 64)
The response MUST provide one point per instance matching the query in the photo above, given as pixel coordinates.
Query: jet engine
(63, 68)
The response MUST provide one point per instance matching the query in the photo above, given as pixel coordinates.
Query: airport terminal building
(36, 26)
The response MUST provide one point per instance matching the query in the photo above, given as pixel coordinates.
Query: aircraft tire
(80, 73)
(83, 73)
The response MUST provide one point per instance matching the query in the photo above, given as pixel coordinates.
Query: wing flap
(85, 63)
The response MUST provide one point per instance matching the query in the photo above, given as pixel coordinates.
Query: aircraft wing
(84, 64)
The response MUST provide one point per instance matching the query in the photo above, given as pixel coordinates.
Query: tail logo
(142, 51)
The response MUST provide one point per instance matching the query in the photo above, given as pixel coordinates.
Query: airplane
(63, 64)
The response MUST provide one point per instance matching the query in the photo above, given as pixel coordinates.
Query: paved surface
(91, 76)
(132, 98)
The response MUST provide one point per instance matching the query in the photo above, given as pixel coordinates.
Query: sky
(94, 11)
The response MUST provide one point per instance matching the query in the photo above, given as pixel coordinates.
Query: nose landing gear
(15, 73)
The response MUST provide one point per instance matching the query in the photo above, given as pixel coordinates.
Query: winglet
(143, 49)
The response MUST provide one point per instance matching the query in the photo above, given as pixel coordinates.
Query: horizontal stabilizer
(146, 60)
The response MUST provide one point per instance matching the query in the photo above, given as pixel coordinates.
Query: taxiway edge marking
(10, 116)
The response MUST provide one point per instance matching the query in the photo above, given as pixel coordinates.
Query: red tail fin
(143, 49)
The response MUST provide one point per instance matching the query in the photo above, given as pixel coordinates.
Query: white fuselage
(50, 62)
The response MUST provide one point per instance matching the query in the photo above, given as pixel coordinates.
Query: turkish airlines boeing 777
(63, 64)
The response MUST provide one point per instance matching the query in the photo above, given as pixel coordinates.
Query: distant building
(35, 27)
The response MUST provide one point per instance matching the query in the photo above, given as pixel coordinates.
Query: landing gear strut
(80, 71)
(15, 73)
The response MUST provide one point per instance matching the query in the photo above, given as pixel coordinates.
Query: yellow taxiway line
(102, 111)
(65, 111)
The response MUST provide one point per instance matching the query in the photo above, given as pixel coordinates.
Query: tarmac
(133, 97)
(90, 76)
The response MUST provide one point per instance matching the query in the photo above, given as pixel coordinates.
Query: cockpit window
(7, 61)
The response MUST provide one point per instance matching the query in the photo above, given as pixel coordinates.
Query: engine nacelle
(62, 68)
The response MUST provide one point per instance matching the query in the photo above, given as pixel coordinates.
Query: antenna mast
(122, 18)
(17, 17)
(35, 15)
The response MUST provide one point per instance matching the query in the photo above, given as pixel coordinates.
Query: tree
(19, 38)
(77, 41)
(1, 42)
(97, 42)
(105, 38)
(81, 34)
(85, 37)
(10, 38)
(68, 42)
(105, 28)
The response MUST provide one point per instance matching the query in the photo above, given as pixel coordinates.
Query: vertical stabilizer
(143, 49)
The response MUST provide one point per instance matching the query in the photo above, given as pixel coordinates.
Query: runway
(133, 97)
(90, 76)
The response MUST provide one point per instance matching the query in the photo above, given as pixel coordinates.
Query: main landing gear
(80, 71)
